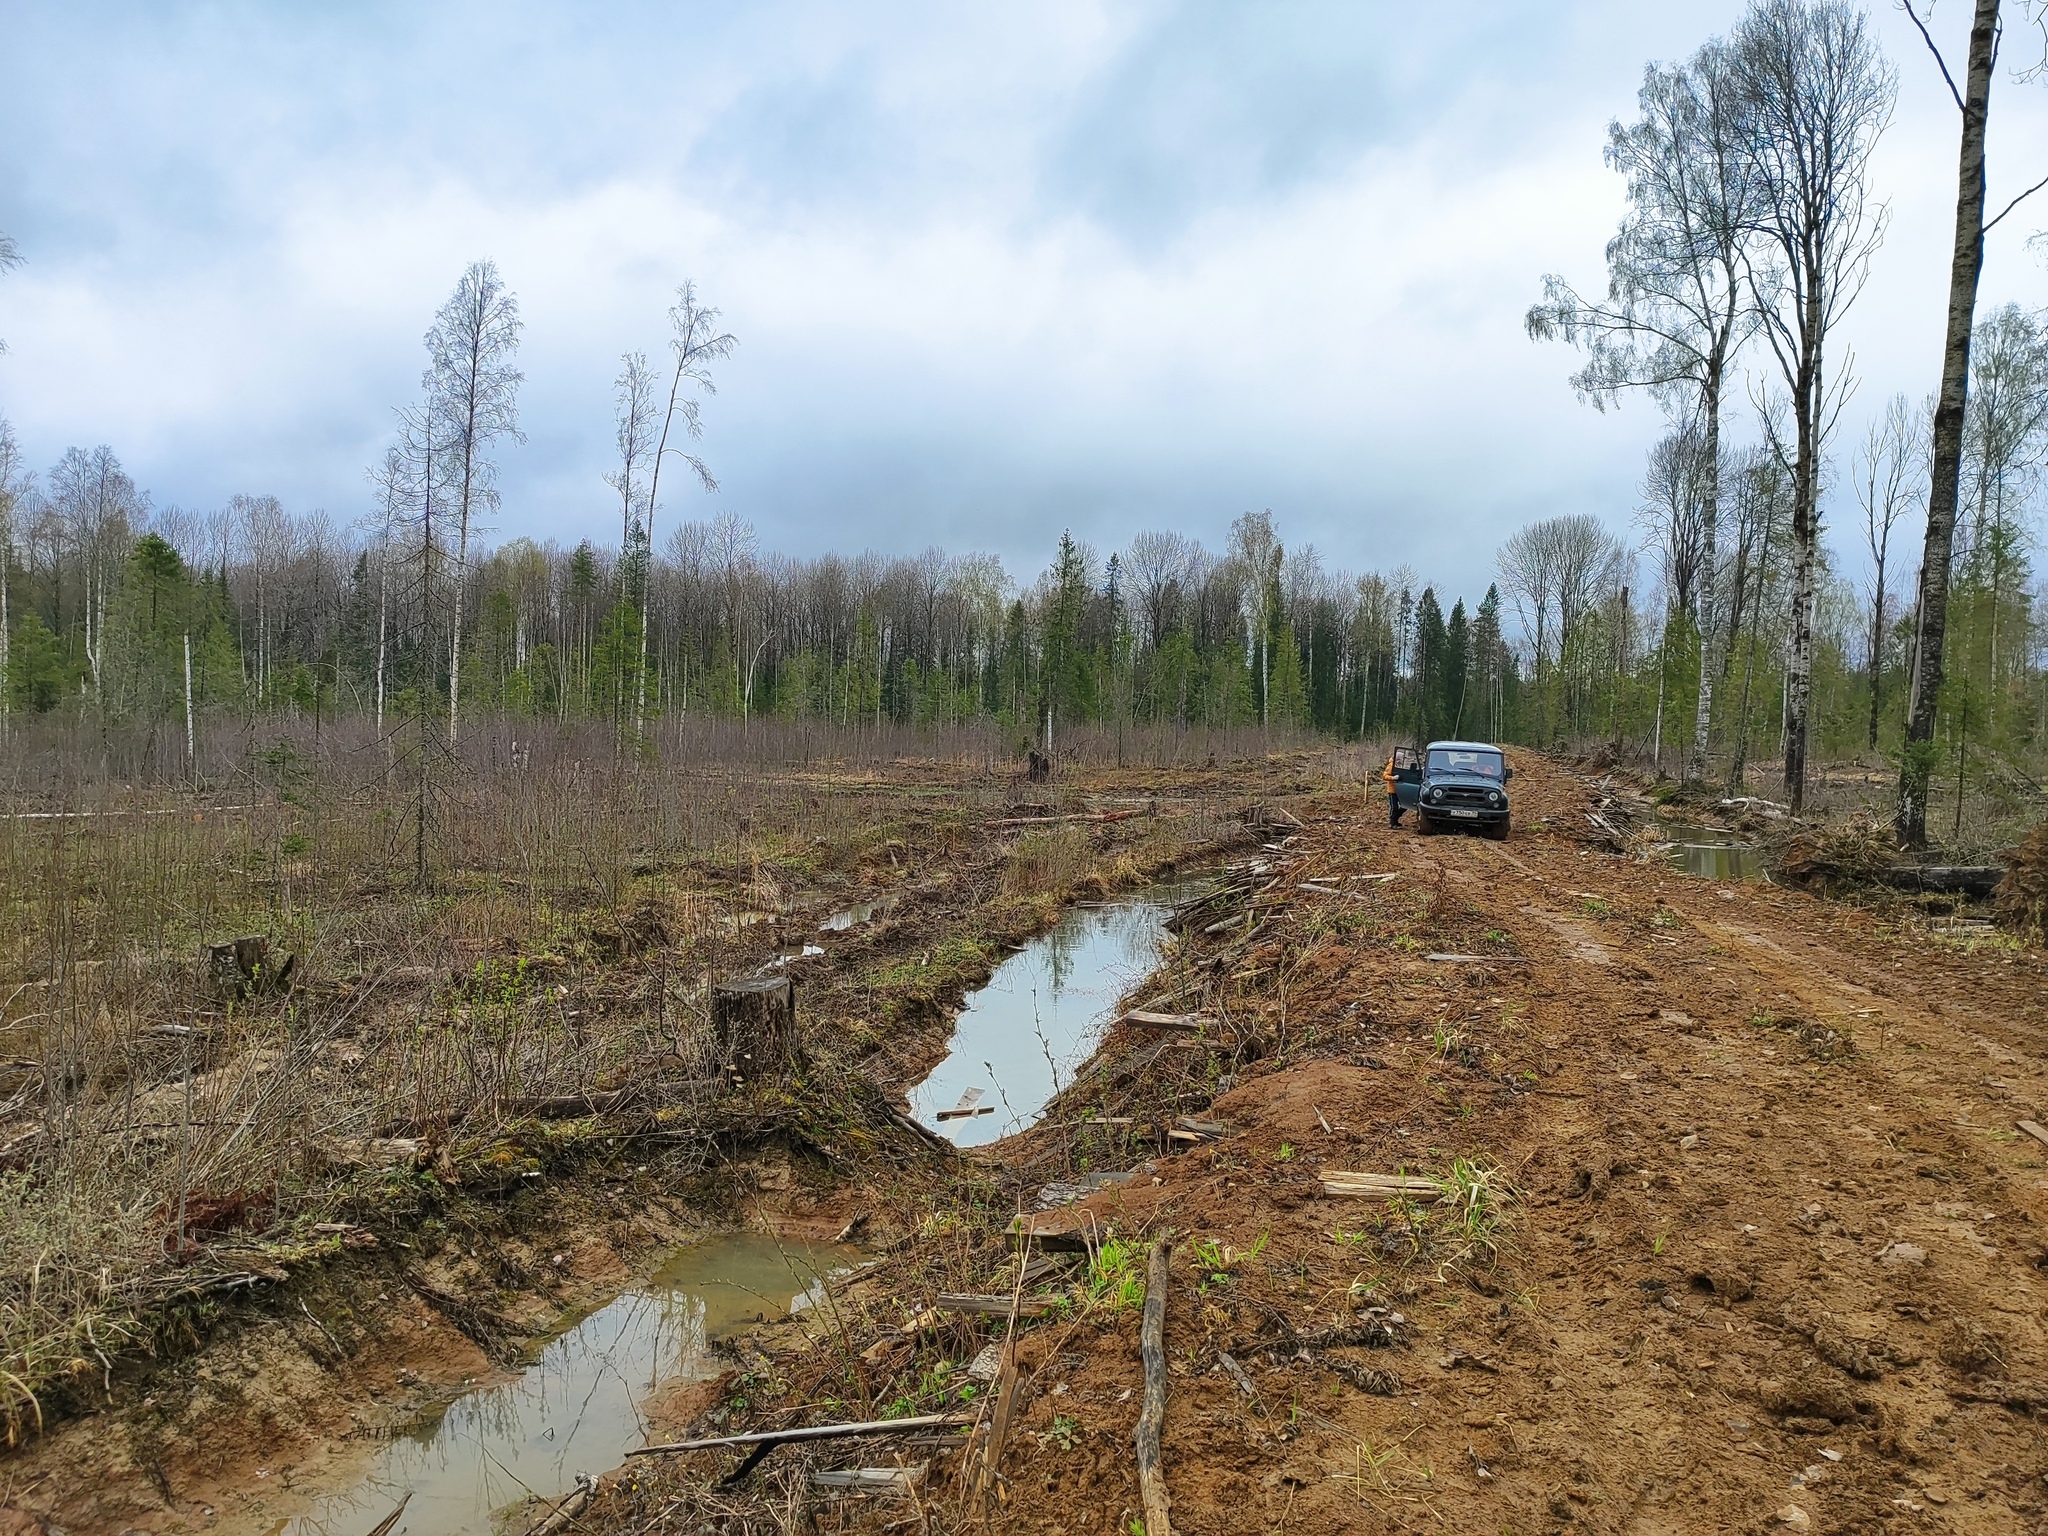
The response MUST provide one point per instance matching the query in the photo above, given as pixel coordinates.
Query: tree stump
(243, 966)
(754, 1022)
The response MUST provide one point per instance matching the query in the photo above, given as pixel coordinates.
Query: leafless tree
(696, 343)
(475, 390)
(13, 482)
(1673, 512)
(1557, 573)
(634, 420)
(1158, 566)
(1817, 94)
(1676, 312)
(1887, 478)
(388, 481)
(98, 507)
(10, 258)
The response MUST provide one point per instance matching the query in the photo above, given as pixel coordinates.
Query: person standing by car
(1393, 791)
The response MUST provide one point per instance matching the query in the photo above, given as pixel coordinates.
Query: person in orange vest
(1393, 793)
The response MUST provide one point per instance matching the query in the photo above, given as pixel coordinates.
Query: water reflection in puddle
(1023, 1035)
(854, 916)
(1712, 853)
(578, 1407)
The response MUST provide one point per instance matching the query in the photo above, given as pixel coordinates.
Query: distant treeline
(106, 598)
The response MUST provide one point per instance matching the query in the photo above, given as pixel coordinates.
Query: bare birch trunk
(1916, 762)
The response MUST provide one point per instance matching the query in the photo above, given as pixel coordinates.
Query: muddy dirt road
(1775, 1253)
(1746, 1237)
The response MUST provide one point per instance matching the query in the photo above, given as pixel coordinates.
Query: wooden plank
(2034, 1130)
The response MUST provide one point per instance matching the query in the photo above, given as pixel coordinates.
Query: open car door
(1408, 776)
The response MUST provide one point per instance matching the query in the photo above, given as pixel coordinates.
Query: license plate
(1473, 814)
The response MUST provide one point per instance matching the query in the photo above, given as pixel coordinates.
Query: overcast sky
(995, 269)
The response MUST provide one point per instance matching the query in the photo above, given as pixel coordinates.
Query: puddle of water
(1711, 853)
(859, 913)
(1038, 1017)
(577, 1408)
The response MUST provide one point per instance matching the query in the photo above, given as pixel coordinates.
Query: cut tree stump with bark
(243, 966)
(754, 1022)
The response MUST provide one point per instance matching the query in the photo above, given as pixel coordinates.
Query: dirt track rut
(1777, 1250)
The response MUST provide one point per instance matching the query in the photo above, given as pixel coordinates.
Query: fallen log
(996, 1306)
(1152, 1415)
(805, 1432)
(564, 1514)
(926, 1132)
(1941, 879)
(1040, 821)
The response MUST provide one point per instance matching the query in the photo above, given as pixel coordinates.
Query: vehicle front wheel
(1499, 830)
(1422, 822)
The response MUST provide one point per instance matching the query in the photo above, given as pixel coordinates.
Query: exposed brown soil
(1770, 1253)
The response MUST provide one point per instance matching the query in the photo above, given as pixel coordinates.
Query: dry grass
(158, 1140)
(1047, 862)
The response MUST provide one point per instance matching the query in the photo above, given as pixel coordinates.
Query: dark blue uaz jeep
(1461, 784)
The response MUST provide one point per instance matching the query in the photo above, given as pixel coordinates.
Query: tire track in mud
(1816, 1185)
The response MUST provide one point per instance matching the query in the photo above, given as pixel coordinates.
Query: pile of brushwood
(2021, 900)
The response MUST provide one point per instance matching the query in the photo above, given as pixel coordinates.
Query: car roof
(1463, 746)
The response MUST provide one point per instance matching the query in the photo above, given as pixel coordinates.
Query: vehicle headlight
(1436, 794)
(1493, 797)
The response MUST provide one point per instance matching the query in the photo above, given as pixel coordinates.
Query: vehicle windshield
(1461, 760)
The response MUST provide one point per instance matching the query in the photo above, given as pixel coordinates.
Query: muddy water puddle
(1711, 852)
(1022, 1037)
(578, 1407)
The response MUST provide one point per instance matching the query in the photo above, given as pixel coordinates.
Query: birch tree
(1256, 550)
(1676, 313)
(1817, 95)
(474, 389)
(696, 343)
(1966, 266)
